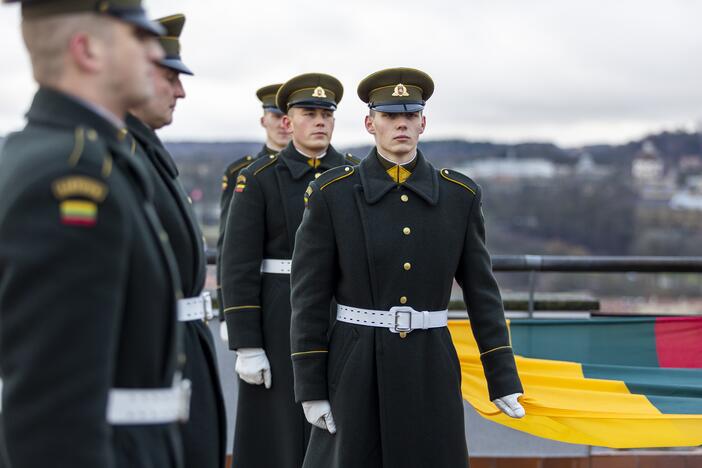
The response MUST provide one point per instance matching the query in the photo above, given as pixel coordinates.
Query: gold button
(404, 198)
(347, 169)
(403, 300)
(407, 231)
(316, 176)
(407, 266)
(271, 156)
(403, 335)
(91, 134)
(446, 172)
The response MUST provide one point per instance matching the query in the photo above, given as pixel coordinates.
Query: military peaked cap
(129, 11)
(315, 90)
(170, 42)
(396, 90)
(267, 97)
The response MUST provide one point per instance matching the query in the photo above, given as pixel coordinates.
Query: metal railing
(535, 264)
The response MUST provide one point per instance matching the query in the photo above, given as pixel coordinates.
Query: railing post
(532, 288)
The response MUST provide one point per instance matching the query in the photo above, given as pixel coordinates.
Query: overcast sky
(568, 71)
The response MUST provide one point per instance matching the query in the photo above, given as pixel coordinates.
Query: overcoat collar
(376, 182)
(298, 165)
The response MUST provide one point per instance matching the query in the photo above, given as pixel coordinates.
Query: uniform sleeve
(224, 204)
(242, 254)
(487, 318)
(312, 288)
(62, 274)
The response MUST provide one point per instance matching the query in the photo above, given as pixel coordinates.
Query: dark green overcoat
(371, 243)
(88, 284)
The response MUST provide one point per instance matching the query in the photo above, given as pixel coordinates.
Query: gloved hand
(510, 405)
(253, 367)
(223, 332)
(318, 413)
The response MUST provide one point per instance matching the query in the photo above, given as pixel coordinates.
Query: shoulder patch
(334, 175)
(79, 186)
(459, 179)
(240, 183)
(239, 164)
(352, 159)
(262, 163)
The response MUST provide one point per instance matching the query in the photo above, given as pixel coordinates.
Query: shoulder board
(352, 159)
(239, 164)
(333, 175)
(459, 179)
(89, 148)
(262, 163)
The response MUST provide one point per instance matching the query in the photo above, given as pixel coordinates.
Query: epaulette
(459, 179)
(333, 175)
(262, 163)
(239, 164)
(89, 148)
(352, 159)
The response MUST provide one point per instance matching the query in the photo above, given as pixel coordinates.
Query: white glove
(223, 332)
(318, 413)
(253, 367)
(510, 405)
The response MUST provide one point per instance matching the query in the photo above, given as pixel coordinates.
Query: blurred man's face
(276, 132)
(131, 64)
(311, 128)
(157, 112)
(396, 135)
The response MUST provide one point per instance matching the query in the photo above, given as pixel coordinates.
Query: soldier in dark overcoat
(267, 208)
(385, 239)
(204, 435)
(89, 348)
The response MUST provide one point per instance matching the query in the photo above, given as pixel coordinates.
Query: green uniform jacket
(88, 285)
(271, 430)
(228, 184)
(204, 435)
(368, 242)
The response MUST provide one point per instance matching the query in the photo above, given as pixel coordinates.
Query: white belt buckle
(207, 306)
(396, 313)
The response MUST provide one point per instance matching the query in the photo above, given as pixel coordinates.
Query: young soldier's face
(396, 134)
(158, 111)
(131, 64)
(276, 131)
(311, 128)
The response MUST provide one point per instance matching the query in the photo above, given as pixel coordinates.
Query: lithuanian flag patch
(78, 213)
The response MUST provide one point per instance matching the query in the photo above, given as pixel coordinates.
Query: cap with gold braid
(315, 90)
(396, 90)
(129, 11)
(267, 97)
(170, 42)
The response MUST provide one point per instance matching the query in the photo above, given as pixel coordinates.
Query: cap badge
(319, 92)
(400, 91)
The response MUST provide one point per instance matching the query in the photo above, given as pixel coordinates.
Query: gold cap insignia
(400, 91)
(319, 92)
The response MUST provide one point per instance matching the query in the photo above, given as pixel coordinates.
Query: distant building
(648, 166)
(588, 168)
(511, 168)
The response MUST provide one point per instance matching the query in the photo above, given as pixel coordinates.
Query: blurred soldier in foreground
(204, 435)
(88, 281)
(266, 210)
(382, 384)
(277, 138)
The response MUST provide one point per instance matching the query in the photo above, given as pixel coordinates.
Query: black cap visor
(273, 109)
(313, 104)
(394, 108)
(175, 64)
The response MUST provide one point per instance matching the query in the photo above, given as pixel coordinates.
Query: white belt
(399, 319)
(137, 406)
(196, 308)
(272, 265)
(144, 406)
